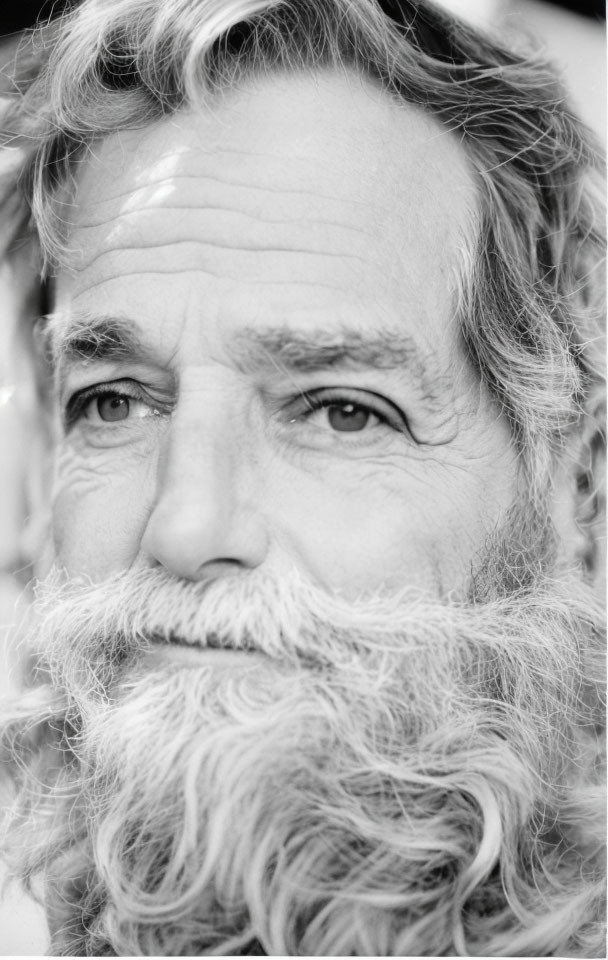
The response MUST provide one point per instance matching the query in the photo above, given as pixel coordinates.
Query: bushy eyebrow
(102, 338)
(75, 339)
(317, 349)
(88, 337)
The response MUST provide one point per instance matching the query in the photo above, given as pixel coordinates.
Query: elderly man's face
(281, 382)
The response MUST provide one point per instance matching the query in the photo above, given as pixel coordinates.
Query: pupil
(113, 407)
(347, 417)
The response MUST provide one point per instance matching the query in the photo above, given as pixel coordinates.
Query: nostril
(223, 567)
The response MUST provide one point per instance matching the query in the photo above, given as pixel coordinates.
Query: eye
(336, 411)
(348, 417)
(108, 403)
(112, 406)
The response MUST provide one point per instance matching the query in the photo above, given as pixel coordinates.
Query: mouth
(214, 650)
(210, 641)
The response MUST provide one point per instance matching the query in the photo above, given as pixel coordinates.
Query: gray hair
(531, 284)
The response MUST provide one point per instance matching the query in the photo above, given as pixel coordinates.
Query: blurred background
(573, 36)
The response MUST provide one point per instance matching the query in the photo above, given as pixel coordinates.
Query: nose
(206, 520)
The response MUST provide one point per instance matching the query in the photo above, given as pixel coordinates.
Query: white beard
(391, 777)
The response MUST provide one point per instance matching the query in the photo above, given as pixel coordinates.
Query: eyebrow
(88, 337)
(316, 349)
(99, 338)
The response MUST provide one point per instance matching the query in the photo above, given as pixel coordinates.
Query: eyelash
(380, 407)
(386, 412)
(77, 404)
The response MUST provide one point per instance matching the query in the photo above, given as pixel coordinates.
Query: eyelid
(77, 403)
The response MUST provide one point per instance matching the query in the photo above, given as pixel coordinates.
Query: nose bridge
(198, 463)
(206, 513)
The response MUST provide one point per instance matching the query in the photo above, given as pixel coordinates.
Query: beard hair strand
(392, 777)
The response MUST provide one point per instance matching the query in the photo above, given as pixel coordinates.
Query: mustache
(274, 615)
(89, 635)
(86, 635)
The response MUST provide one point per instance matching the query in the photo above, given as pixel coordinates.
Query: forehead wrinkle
(216, 209)
(247, 192)
(238, 248)
(332, 212)
(198, 272)
(201, 179)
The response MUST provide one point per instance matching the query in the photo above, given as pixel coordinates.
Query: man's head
(323, 336)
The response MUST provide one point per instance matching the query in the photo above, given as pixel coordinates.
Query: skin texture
(242, 245)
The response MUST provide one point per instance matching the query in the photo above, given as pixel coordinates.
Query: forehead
(317, 118)
(312, 190)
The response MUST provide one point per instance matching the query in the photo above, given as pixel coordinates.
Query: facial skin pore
(266, 291)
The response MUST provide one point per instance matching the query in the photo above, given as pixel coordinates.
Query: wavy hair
(529, 305)
(396, 776)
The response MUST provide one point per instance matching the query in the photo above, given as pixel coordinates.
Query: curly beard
(395, 776)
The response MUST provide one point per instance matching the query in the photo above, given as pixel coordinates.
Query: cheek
(387, 529)
(362, 535)
(99, 512)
